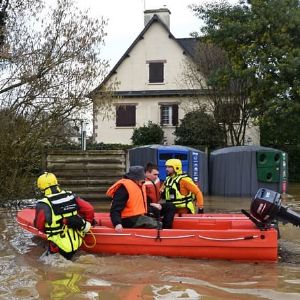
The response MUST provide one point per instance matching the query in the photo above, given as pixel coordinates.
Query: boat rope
(249, 237)
(196, 218)
(111, 234)
(158, 238)
(164, 237)
(94, 242)
(159, 227)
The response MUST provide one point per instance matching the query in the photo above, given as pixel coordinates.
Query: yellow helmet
(175, 164)
(46, 180)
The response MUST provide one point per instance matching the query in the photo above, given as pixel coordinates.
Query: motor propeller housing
(266, 206)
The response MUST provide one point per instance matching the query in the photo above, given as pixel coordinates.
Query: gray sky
(126, 21)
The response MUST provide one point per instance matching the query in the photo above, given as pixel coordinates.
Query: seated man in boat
(180, 189)
(129, 201)
(62, 215)
(165, 210)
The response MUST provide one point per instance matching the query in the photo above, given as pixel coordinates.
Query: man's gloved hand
(200, 210)
(87, 226)
(74, 222)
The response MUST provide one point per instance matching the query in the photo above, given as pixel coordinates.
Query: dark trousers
(54, 249)
(140, 221)
(166, 214)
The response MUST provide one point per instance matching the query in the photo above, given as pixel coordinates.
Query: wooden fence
(87, 173)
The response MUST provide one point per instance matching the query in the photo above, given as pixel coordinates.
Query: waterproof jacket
(50, 213)
(153, 190)
(182, 191)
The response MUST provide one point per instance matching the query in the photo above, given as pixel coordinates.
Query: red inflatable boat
(207, 236)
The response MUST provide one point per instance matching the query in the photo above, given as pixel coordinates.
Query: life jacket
(152, 190)
(172, 192)
(137, 199)
(62, 205)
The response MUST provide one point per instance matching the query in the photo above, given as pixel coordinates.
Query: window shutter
(175, 114)
(161, 115)
(125, 115)
(156, 72)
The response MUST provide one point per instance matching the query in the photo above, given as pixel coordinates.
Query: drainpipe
(83, 135)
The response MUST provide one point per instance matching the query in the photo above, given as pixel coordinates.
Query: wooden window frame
(173, 114)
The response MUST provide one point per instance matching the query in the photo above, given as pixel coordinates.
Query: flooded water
(26, 274)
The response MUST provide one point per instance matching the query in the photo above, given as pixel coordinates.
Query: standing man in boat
(180, 189)
(129, 201)
(63, 216)
(152, 183)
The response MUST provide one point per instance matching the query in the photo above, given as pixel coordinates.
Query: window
(169, 114)
(181, 156)
(165, 156)
(125, 115)
(156, 72)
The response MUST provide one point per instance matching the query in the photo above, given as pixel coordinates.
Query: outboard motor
(266, 206)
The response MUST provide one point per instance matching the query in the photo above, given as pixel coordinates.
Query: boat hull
(213, 236)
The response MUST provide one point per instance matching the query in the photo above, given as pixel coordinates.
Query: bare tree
(53, 59)
(50, 61)
(3, 7)
(225, 98)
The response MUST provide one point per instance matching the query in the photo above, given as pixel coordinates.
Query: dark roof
(187, 44)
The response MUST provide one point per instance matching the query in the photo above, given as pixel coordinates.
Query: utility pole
(83, 135)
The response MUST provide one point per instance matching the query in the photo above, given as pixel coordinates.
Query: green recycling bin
(268, 166)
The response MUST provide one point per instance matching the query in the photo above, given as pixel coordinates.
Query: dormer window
(156, 71)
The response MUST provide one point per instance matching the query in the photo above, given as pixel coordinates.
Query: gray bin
(240, 171)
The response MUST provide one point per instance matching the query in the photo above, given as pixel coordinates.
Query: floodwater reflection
(26, 273)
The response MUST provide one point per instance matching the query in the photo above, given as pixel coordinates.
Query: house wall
(146, 109)
(133, 75)
(252, 135)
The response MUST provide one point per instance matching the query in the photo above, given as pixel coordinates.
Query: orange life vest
(152, 190)
(137, 199)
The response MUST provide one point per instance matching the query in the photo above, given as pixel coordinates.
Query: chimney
(162, 13)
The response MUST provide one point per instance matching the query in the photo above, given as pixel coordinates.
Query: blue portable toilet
(194, 161)
(167, 153)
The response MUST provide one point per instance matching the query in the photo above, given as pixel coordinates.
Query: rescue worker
(165, 210)
(180, 189)
(62, 215)
(129, 201)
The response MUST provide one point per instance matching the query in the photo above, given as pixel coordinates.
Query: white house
(150, 83)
